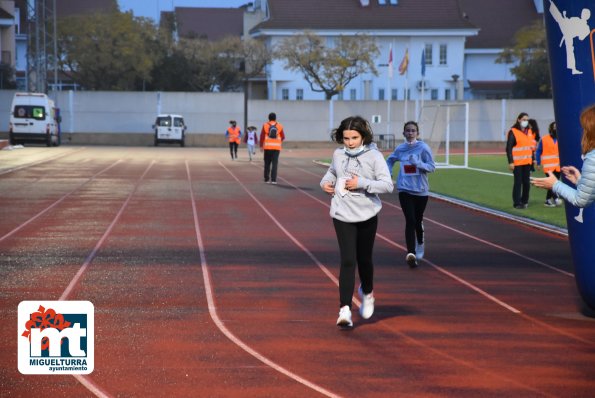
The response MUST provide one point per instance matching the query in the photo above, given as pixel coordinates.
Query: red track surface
(208, 282)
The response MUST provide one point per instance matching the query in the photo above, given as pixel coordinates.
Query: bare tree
(329, 69)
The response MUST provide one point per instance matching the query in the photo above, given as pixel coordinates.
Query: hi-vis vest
(523, 150)
(272, 143)
(234, 134)
(550, 158)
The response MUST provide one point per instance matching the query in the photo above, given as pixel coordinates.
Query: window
(447, 94)
(382, 2)
(178, 122)
(443, 54)
(285, 94)
(434, 93)
(352, 94)
(27, 112)
(340, 95)
(164, 121)
(393, 94)
(299, 94)
(428, 54)
(381, 94)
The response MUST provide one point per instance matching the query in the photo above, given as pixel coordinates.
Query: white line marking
(109, 229)
(56, 202)
(211, 300)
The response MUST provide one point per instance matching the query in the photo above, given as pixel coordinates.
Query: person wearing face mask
(416, 161)
(520, 151)
(548, 159)
(356, 176)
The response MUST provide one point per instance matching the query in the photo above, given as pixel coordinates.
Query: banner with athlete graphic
(570, 28)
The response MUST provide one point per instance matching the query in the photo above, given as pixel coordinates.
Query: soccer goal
(445, 128)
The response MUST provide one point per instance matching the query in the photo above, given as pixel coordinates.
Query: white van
(34, 118)
(169, 128)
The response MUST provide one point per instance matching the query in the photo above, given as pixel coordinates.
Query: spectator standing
(548, 159)
(234, 135)
(584, 193)
(272, 136)
(416, 161)
(520, 147)
(357, 174)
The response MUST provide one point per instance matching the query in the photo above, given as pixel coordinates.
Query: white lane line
(437, 267)
(531, 259)
(109, 229)
(85, 380)
(57, 202)
(41, 161)
(211, 300)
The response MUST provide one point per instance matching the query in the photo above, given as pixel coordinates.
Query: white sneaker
(344, 320)
(367, 308)
(419, 250)
(558, 202)
(411, 260)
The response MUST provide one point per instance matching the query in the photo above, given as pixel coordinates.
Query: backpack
(272, 131)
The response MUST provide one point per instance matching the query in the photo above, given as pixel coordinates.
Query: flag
(404, 63)
(423, 62)
(390, 63)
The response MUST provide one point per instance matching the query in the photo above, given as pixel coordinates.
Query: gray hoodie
(373, 178)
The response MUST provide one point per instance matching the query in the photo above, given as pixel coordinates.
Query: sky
(152, 8)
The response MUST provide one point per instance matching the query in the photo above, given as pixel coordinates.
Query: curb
(3, 144)
(497, 213)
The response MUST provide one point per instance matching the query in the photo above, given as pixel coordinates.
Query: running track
(207, 282)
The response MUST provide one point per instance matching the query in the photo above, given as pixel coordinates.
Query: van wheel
(156, 142)
(182, 143)
(48, 140)
(11, 139)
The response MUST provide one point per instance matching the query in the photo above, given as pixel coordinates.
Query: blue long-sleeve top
(584, 194)
(416, 161)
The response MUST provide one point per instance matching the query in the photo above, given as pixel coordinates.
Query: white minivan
(169, 128)
(34, 118)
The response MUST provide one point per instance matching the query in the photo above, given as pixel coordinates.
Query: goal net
(445, 128)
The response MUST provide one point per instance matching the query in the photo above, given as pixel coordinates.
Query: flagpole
(388, 91)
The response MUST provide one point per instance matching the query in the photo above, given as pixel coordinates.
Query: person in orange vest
(548, 159)
(520, 151)
(233, 135)
(271, 137)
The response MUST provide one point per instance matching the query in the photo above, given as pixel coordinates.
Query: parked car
(34, 118)
(169, 128)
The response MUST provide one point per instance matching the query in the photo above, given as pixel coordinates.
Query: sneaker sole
(412, 262)
(345, 325)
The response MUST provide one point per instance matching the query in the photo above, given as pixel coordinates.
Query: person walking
(251, 139)
(416, 161)
(234, 135)
(272, 136)
(584, 193)
(548, 159)
(520, 147)
(357, 174)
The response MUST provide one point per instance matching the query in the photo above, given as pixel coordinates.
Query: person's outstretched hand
(545, 182)
(571, 173)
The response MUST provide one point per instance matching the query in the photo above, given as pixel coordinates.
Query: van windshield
(29, 112)
(164, 121)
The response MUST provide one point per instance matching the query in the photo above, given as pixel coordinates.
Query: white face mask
(354, 151)
(524, 123)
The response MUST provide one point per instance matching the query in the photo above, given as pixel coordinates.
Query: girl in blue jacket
(416, 162)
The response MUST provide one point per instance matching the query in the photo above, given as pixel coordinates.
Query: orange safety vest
(550, 158)
(523, 150)
(273, 144)
(531, 135)
(234, 134)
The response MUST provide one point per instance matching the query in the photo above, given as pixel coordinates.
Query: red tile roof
(498, 20)
(350, 14)
(212, 23)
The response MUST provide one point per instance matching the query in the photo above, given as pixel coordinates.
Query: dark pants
(413, 207)
(550, 194)
(233, 149)
(271, 160)
(521, 185)
(356, 241)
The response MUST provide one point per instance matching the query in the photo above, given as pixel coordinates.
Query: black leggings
(233, 149)
(356, 241)
(413, 207)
